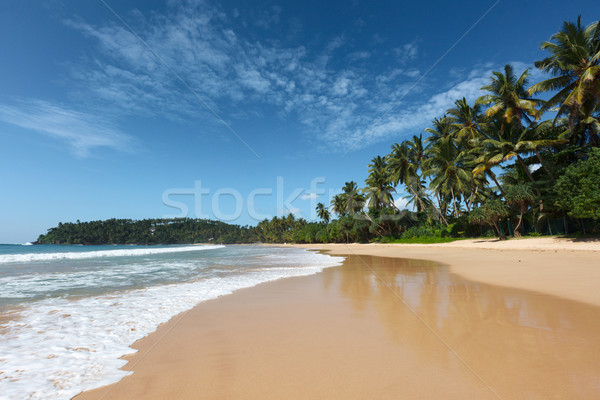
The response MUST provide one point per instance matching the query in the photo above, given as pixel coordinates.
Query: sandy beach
(469, 319)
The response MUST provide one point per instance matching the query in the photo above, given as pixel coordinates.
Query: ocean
(68, 313)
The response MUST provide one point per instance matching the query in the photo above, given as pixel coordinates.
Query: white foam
(120, 275)
(61, 347)
(15, 258)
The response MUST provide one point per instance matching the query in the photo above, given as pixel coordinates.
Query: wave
(28, 257)
(59, 347)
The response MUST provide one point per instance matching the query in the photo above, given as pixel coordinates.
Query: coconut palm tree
(508, 99)
(442, 128)
(416, 151)
(465, 121)
(323, 212)
(353, 199)
(497, 148)
(338, 204)
(379, 186)
(445, 165)
(574, 62)
(401, 167)
(540, 137)
(404, 170)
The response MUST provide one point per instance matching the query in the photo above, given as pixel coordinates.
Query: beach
(468, 319)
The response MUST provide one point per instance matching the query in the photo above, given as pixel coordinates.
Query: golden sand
(379, 328)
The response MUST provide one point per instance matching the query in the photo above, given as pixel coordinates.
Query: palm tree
(450, 176)
(379, 187)
(404, 170)
(416, 151)
(575, 65)
(353, 199)
(508, 99)
(338, 204)
(322, 212)
(465, 120)
(442, 128)
(498, 148)
(538, 137)
(522, 196)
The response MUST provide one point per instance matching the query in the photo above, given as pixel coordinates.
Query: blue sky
(233, 97)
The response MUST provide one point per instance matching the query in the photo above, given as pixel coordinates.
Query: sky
(232, 110)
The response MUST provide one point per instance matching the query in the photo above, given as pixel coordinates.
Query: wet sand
(375, 327)
(559, 267)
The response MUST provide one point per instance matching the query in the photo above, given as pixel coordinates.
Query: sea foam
(28, 257)
(60, 347)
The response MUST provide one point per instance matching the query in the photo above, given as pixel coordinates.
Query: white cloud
(267, 18)
(81, 131)
(309, 196)
(238, 77)
(407, 52)
(402, 204)
(358, 55)
(403, 121)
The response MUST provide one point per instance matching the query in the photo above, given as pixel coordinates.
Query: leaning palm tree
(497, 148)
(323, 212)
(507, 97)
(543, 136)
(574, 62)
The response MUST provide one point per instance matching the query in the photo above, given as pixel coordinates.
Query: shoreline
(280, 327)
(559, 267)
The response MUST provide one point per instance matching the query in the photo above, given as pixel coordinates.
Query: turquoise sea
(68, 313)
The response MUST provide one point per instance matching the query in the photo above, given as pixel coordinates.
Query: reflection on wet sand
(374, 328)
(535, 345)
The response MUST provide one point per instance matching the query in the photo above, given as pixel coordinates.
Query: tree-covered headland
(508, 164)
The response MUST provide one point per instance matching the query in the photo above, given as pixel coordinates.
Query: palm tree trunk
(467, 201)
(493, 176)
(539, 157)
(454, 202)
(516, 232)
(500, 235)
(527, 172)
(537, 191)
(423, 204)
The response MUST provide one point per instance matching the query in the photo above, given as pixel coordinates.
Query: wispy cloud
(407, 52)
(81, 131)
(326, 88)
(414, 117)
(402, 204)
(309, 196)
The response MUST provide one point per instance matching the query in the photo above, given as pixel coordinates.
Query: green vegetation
(578, 190)
(494, 167)
(147, 231)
